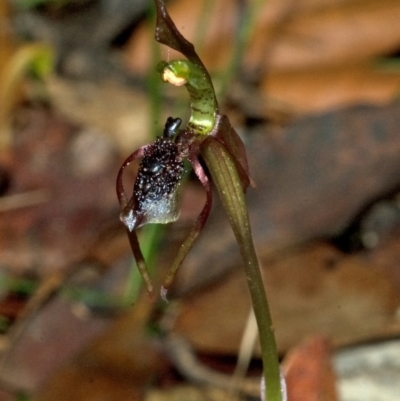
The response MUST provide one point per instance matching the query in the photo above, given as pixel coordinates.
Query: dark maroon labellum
(159, 173)
(154, 198)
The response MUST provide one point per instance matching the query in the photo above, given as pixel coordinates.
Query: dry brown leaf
(287, 35)
(314, 290)
(82, 384)
(121, 113)
(117, 365)
(76, 169)
(325, 89)
(337, 34)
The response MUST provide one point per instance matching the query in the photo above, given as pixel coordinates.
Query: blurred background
(313, 89)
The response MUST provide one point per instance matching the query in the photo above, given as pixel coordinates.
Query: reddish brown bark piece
(309, 372)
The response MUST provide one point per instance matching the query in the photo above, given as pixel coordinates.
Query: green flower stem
(202, 98)
(227, 181)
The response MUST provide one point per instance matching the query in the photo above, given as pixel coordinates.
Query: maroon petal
(140, 262)
(196, 229)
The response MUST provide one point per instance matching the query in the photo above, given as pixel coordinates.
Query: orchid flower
(156, 189)
(155, 198)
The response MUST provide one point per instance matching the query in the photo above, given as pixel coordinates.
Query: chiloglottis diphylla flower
(156, 189)
(210, 136)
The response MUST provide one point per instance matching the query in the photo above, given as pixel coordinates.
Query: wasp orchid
(156, 190)
(208, 136)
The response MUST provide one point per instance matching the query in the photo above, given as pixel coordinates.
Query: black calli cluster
(154, 198)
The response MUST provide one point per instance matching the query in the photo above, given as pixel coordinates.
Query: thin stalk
(228, 184)
(150, 239)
